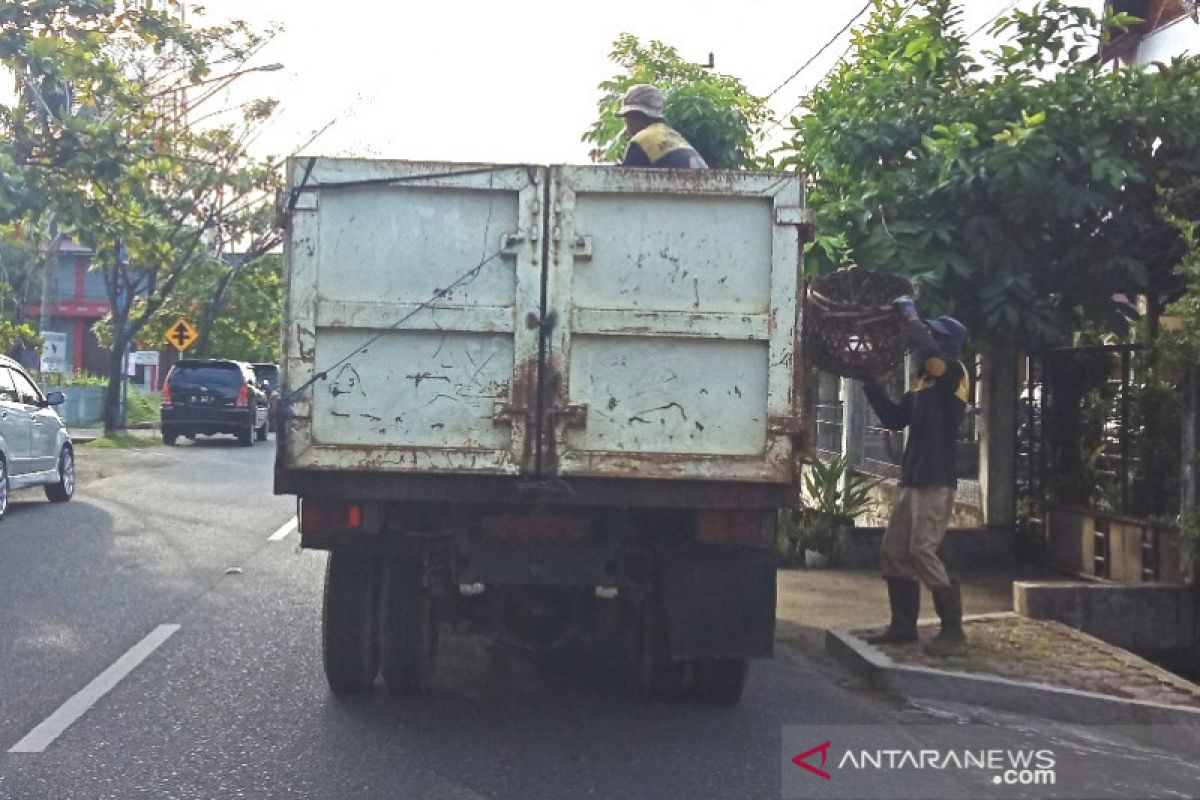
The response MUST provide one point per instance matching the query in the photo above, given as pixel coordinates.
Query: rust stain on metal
(520, 410)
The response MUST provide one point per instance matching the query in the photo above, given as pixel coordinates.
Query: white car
(35, 448)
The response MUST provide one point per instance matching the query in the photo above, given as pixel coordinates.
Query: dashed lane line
(285, 531)
(54, 725)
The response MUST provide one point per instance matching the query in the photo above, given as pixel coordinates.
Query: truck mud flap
(720, 602)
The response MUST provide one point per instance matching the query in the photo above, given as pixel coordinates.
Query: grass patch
(141, 407)
(122, 441)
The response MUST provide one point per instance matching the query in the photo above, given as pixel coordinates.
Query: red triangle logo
(802, 760)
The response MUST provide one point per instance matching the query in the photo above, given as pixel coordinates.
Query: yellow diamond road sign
(182, 335)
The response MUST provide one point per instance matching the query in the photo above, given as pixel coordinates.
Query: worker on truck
(654, 144)
(933, 412)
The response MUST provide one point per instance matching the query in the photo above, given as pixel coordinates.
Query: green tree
(247, 327)
(19, 270)
(13, 334)
(100, 135)
(1021, 189)
(714, 112)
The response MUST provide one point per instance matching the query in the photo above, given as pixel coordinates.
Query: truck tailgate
(530, 321)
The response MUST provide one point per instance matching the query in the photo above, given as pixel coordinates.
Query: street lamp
(228, 76)
(182, 106)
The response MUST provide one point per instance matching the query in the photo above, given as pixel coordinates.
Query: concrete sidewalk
(812, 601)
(85, 435)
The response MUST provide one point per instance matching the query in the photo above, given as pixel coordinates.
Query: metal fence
(1098, 428)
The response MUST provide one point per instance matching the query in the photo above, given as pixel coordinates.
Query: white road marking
(288, 528)
(54, 725)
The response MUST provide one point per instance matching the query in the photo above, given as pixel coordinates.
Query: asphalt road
(227, 698)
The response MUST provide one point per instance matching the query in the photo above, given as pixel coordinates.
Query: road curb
(1022, 697)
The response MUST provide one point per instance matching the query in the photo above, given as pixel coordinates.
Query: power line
(779, 122)
(817, 54)
(1008, 7)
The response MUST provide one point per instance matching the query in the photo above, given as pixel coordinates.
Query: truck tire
(661, 677)
(408, 631)
(720, 680)
(350, 623)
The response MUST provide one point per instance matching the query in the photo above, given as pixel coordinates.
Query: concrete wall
(966, 514)
(85, 404)
(1147, 619)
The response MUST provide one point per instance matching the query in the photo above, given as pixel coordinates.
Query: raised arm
(893, 416)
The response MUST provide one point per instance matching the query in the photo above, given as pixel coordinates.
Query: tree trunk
(112, 393)
(209, 317)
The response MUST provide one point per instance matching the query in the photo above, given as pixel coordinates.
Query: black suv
(213, 396)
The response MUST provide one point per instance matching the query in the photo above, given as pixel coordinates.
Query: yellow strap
(929, 380)
(657, 140)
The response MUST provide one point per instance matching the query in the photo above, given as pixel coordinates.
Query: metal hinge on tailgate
(792, 426)
(800, 217)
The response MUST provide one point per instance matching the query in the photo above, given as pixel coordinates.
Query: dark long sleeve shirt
(932, 411)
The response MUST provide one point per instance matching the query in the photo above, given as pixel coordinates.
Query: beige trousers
(914, 532)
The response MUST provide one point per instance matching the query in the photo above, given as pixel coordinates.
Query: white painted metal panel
(400, 381)
(674, 295)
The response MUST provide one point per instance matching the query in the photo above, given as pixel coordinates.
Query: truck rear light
(166, 395)
(732, 526)
(243, 398)
(322, 518)
(534, 529)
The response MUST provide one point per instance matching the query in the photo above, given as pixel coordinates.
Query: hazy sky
(506, 81)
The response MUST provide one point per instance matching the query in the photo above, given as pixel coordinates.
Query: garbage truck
(553, 406)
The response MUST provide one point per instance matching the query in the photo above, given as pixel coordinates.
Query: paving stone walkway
(1050, 653)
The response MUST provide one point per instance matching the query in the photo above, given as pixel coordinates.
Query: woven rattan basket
(850, 326)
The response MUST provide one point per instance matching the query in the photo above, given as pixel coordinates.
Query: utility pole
(49, 266)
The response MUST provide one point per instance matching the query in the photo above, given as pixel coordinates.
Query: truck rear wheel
(350, 623)
(408, 628)
(661, 676)
(720, 680)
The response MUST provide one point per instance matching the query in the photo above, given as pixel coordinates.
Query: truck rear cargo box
(450, 321)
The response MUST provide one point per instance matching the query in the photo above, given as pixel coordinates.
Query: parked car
(211, 396)
(267, 376)
(35, 448)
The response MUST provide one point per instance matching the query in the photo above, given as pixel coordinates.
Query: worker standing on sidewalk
(653, 143)
(933, 412)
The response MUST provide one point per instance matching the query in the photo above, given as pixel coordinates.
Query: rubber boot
(904, 596)
(947, 601)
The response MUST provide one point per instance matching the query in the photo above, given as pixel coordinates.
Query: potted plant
(833, 497)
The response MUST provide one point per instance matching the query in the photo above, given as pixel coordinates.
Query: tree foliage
(14, 334)
(101, 137)
(247, 328)
(1021, 189)
(713, 111)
